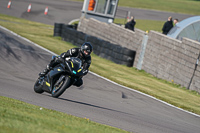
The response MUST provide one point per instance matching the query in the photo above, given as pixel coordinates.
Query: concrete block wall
(165, 58)
(171, 59)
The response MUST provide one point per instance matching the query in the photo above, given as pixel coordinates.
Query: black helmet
(87, 47)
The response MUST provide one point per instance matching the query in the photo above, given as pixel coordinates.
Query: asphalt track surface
(99, 100)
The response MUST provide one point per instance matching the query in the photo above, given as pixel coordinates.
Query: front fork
(57, 86)
(59, 81)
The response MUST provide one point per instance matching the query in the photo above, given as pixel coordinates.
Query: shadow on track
(95, 106)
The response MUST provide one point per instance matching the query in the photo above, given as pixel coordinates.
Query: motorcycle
(61, 77)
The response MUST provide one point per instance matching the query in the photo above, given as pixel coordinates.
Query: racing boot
(45, 71)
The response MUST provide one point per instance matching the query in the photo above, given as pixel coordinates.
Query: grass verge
(145, 25)
(20, 117)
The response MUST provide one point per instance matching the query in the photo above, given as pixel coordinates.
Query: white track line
(101, 76)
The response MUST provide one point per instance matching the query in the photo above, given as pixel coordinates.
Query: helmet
(86, 49)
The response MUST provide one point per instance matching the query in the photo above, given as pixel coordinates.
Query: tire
(70, 26)
(103, 55)
(38, 86)
(62, 87)
(96, 52)
(57, 34)
(117, 49)
(127, 63)
(128, 52)
(75, 26)
(57, 30)
(126, 58)
(58, 25)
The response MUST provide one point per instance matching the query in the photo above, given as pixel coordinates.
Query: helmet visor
(87, 52)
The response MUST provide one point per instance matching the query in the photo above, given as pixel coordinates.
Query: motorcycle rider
(82, 53)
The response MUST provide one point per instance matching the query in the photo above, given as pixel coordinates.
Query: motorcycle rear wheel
(61, 87)
(38, 86)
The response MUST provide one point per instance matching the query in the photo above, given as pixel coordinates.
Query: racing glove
(59, 59)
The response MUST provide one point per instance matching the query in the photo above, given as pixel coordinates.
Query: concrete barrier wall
(171, 59)
(164, 57)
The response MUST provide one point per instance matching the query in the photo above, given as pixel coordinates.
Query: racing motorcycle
(60, 77)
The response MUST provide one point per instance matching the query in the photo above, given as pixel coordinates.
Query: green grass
(20, 117)
(139, 80)
(178, 6)
(145, 25)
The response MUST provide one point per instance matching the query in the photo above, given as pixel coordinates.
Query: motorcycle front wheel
(38, 86)
(61, 87)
